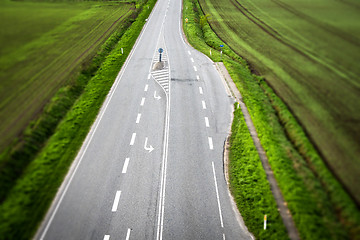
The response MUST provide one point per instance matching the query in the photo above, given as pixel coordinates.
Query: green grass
(27, 202)
(320, 207)
(249, 185)
(42, 47)
(308, 52)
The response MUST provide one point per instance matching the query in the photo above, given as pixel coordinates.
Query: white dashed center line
(201, 90)
(207, 122)
(126, 164)
(138, 118)
(195, 69)
(197, 77)
(128, 234)
(146, 88)
(133, 139)
(203, 104)
(106, 237)
(149, 76)
(192, 60)
(142, 102)
(189, 52)
(116, 201)
(211, 146)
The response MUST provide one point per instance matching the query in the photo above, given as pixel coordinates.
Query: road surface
(152, 164)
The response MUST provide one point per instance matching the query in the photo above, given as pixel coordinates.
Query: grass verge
(28, 201)
(249, 185)
(320, 207)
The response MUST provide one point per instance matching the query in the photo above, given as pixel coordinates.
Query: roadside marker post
(210, 51)
(221, 52)
(122, 51)
(265, 218)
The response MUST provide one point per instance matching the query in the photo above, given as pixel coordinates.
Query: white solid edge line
(217, 196)
(128, 234)
(146, 88)
(203, 104)
(126, 164)
(207, 122)
(138, 118)
(116, 201)
(133, 139)
(164, 163)
(201, 90)
(106, 237)
(211, 145)
(142, 102)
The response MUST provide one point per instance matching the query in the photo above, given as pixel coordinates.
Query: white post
(122, 51)
(210, 51)
(265, 222)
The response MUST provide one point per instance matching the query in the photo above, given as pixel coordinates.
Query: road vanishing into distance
(152, 164)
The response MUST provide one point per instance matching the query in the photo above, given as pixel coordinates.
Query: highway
(152, 165)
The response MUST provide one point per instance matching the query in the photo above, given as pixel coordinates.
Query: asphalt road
(152, 165)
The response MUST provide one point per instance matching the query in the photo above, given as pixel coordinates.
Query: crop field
(42, 46)
(309, 52)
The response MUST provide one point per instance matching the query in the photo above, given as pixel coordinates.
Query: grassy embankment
(27, 202)
(320, 207)
(311, 62)
(44, 46)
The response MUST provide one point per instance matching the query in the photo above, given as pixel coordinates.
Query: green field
(308, 51)
(42, 47)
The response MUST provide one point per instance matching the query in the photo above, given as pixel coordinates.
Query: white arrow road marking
(150, 149)
(106, 237)
(126, 163)
(128, 234)
(156, 97)
(116, 201)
